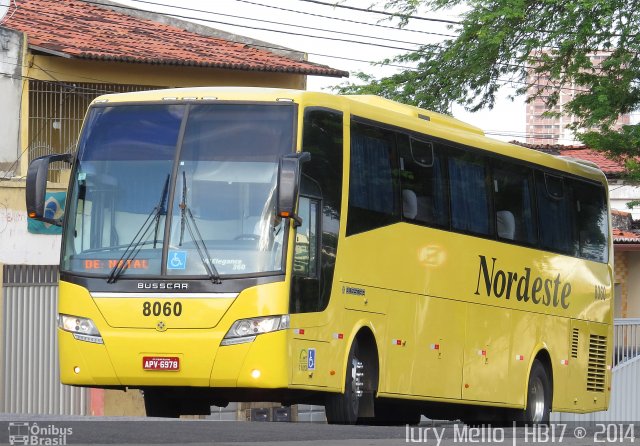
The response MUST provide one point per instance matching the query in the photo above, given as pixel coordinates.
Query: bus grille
(574, 343)
(597, 363)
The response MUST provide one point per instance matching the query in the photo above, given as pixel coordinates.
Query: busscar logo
(162, 286)
(33, 434)
(499, 283)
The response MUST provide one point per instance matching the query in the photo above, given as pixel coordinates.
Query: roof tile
(607, 165)
(620, 236)
(86, 31)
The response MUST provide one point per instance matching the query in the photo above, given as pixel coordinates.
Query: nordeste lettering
(507, 284)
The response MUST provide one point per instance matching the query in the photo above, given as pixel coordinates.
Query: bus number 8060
(166, 309)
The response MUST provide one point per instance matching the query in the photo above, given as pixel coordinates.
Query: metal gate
(29, 370)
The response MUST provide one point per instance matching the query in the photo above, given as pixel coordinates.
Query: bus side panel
(532, 333)
(486, 354)
(400, 344)
(575, 392)
(310, 362)
(589, 368)
(440, 334)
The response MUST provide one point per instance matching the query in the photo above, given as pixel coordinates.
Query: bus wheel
(159, 404)
(343, 408)
(539, 396)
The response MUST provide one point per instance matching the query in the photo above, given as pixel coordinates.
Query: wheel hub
(537, 400)
(358, 374)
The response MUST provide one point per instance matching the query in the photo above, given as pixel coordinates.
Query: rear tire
(539, 395)
(344, 408)
(158, 403)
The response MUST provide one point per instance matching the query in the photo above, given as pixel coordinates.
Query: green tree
(501, 41)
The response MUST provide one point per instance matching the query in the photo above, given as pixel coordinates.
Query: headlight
(246, 330)
(83, 329)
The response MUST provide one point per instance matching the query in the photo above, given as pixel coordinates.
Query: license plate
(161, 363)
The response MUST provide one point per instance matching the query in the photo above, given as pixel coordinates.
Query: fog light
(76, 370)
(255, 374)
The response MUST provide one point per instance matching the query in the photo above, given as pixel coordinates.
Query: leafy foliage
(502, 41)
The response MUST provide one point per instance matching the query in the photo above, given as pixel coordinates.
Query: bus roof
(374, 108)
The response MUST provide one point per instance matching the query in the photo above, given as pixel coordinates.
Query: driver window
(305, 296)
(305, 250)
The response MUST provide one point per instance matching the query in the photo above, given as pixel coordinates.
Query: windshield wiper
(162, 210)
(139, 239)
(187, 219)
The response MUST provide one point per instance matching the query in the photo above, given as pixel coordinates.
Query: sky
(337, 49)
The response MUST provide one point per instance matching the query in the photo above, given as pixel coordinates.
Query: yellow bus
(244, 244)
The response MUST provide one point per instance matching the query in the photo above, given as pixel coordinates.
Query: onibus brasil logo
(33, 434)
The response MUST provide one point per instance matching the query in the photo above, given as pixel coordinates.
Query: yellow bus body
(439, 336)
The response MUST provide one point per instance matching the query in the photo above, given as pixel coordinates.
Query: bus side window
(423, 182)
(513, 202)
(305, 287)
(373, 184)
(554, 216)
(469, 193)
(591, 231)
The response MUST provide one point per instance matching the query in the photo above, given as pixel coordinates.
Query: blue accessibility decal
(311, 359)
(177, 260)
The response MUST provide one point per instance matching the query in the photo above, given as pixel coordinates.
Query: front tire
(344, 408)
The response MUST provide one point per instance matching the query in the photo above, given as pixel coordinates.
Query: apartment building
(541, 129)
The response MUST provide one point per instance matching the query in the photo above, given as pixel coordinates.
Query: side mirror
(37, 186)
(289, 183)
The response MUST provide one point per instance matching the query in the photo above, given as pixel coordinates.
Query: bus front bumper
(202, 362)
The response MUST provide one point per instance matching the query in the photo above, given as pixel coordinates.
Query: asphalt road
(30, 429)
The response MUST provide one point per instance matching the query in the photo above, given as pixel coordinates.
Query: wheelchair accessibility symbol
(177, 260)
(311, 359)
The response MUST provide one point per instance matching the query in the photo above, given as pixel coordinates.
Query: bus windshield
(177, 189)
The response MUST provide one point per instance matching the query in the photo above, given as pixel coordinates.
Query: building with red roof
(103, 31)
(70, 51)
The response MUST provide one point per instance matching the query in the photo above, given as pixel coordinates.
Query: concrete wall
(11, 57)
(17, 245)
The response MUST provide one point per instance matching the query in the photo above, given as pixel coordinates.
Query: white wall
(17, 245)
(11, 96)
(620, 195)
